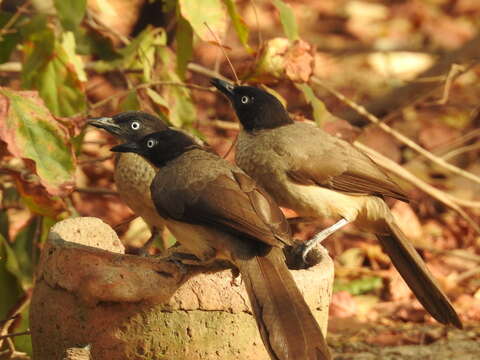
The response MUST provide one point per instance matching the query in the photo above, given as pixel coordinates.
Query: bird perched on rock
(133, 174)
(218, 212)
(319, 175)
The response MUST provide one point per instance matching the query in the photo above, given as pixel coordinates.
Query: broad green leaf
(68, 43)
(159, 100)
(11, 290)
(238, 24)
(181, 112)
(138, 55)
(31, 132)
(184, 38)
(70, 13)
(359, 286)
(320, 112)
(49, 69)
(287, 18)
(199, 13)
(130, 102)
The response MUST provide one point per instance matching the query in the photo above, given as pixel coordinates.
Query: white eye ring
(151, 143)
(135, 125)
(244, 99)
(229, 87)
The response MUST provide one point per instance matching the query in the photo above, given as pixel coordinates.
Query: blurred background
(410, 66)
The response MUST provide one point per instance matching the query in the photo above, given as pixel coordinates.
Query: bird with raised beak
(319, 175)
(218, 212)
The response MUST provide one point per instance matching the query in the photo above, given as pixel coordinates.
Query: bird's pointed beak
(132, 147)
(224, 87)
(106, 123)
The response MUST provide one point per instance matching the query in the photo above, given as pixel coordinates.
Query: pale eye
(150, 143)
(244, 99)
(135, 125)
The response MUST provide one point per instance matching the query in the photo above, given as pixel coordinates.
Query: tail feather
(415, 273)
(287, 326)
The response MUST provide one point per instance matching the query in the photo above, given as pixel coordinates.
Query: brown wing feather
(234, 203)
(338, 165)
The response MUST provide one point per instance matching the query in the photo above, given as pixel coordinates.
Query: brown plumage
(218, 212)
(133, 174)
(319, 175)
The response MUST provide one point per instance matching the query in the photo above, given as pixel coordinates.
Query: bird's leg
(156, 234)
(319, 237)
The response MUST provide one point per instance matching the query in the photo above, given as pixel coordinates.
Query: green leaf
(211, 12)
(320, 112)
(184, 38)
(138, 55)
(287, 18)
(238, 24)
(11, 290)
(50, 69)
(157, 98)
(130, 102)
(68, 43)
(31, 132)
(360, 286)
(181, 111)
(70, 13)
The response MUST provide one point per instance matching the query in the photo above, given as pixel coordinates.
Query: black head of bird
(255, 108)
(160, 147)
(130, 125)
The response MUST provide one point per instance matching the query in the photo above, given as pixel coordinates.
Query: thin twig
(95, 160)
(98, 191)
(400, 137)
(403, 173)
(15, 334)
(224, 52)
(232, 145)
(458, 151)
(144, 86)
(204, 71)
(14, 18)
(96, 22)
(226, 125)
(124, 222)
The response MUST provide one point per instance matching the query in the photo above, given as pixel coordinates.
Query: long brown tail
(415, 273)
(287, 326)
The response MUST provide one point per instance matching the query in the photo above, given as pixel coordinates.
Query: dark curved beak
(224, 87)
(132, 147)
(106, 123)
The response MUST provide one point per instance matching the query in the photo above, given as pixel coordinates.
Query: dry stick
(99, 191)
(412, 93)
(400, 137)
(20, 10)
(147, 85)
(15, 334)
(217, 39)
(398, 170)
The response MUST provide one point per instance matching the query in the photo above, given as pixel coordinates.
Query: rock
(130, 307)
